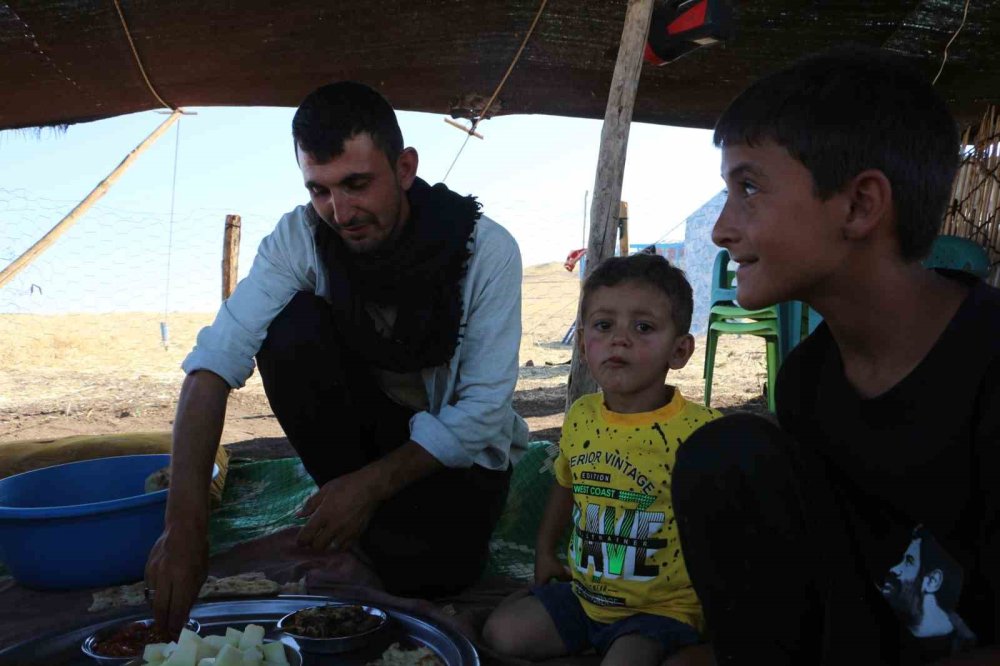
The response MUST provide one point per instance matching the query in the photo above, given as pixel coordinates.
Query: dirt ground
(108, 373)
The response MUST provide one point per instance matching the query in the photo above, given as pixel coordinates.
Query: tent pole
(48, 239)
(230, 255)
(604, 208)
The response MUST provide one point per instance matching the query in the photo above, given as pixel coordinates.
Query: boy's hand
(549, 566)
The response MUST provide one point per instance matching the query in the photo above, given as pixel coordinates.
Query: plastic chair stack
(727, 317)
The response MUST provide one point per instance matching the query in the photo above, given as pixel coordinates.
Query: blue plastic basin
(83, 524)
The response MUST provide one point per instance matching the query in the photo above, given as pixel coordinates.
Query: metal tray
(63, 648)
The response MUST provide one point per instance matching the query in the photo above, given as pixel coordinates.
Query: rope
(965, 13)
(482, 114)
(510, 69)
(170, 234)
(138, 60)
(455, 161)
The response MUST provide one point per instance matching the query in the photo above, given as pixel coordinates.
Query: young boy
(867, 529)
(630, 597)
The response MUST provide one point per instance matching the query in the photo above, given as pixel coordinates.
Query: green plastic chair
(958, 254)
(725, 316)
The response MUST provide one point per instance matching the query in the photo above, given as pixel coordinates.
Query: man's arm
(340, 510)
(178, 563)
(478, 415)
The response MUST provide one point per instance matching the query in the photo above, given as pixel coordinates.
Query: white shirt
(470, 419)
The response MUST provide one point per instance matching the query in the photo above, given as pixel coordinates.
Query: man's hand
(175, 572)
(178, 563)
(549, 566)
(339, 512)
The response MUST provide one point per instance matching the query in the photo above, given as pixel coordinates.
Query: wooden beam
(230, 255)
(19, 264)
(611, 163)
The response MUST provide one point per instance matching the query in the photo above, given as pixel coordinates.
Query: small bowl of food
(121, 643)
(333, 628)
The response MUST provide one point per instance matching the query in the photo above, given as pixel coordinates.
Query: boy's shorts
(579, 632)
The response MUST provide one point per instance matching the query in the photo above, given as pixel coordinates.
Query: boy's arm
(986, 657)
(555, 520)
(987, 442)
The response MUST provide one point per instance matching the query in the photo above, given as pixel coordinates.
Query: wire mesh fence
(974, 212)
(111, 309)
(116, 260)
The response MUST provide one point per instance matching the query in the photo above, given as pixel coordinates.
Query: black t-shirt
(915, 476)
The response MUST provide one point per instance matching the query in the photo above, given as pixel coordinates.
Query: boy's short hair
(644, 268)
(851, 109)
(336, 112)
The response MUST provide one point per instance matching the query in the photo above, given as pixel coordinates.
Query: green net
(512, 548)
(262, 497)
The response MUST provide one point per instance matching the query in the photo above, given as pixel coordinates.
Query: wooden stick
(64, 224)
(230, 254)
(463, 128)
(611, 162)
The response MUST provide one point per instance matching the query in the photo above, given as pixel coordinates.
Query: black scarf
(419, 274)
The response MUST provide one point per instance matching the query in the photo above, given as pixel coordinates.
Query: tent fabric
(70, 61)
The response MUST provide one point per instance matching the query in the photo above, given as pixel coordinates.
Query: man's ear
(406, 167)
(869, 196)
(683, 348)
(932, 581)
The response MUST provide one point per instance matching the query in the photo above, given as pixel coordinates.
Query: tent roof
(67, 61)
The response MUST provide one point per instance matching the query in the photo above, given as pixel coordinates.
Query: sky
(153, 243)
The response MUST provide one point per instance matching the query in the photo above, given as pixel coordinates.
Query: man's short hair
(933, 556)
(336, 112)
(848, 110)
(649, 269)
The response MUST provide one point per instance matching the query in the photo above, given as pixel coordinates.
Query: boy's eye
(643, 327)
(748, 187)
(602, 325)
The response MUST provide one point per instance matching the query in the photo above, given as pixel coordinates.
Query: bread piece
(395, 655)
(252, 584)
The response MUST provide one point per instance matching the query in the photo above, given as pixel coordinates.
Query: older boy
(630, 597)
(839, 170)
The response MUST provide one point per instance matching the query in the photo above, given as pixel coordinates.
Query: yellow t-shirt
(625, 551)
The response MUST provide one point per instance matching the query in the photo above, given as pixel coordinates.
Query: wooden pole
(230, 254)
(623, 229)
(16, 266)
(611, 163)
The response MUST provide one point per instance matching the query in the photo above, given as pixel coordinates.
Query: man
(385, 320)
(924, 588)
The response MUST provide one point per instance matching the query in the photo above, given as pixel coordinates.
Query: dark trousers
(768, 550)
(431, 539)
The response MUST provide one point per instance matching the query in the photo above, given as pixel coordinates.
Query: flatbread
(252, 584)
(158, 480)
(397, 656)
(118, 597)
